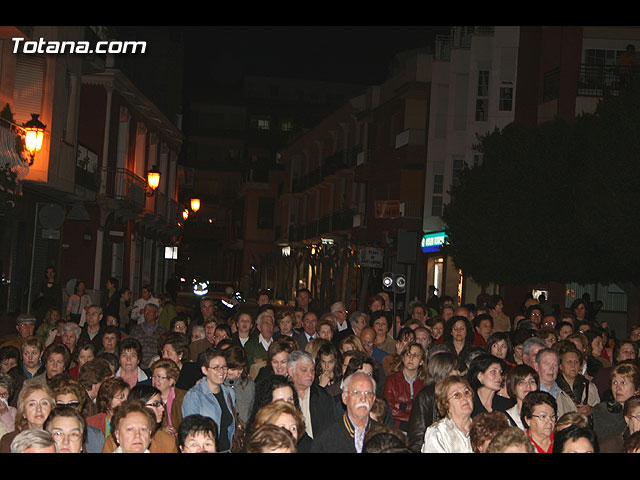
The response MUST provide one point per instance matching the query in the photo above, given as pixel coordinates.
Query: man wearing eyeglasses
(93, 331)
(346, 434)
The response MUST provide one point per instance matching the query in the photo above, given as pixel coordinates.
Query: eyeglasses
(466, 393)
(73, 436)
(217, 368)
(68, 404)
(544, 417)
(359, 393)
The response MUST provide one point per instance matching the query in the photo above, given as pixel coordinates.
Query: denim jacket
(200, 400)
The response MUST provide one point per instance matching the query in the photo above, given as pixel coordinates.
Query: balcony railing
(122, 184)
(600, 80)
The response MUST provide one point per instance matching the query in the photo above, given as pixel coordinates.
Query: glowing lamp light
(195, 204)
(34, 135)
(153, 178)
(185, 214)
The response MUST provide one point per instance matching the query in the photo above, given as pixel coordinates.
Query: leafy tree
(557, 202)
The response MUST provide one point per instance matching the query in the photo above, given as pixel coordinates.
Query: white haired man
(346, 434)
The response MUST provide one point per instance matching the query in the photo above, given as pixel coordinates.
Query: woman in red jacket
(401, 388)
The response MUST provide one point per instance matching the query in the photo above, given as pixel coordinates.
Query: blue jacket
(200, 400)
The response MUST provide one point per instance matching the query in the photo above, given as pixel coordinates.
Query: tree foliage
(558, 202)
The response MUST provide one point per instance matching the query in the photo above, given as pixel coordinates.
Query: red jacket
(398, 393)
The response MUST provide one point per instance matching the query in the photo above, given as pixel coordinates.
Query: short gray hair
(299, 356)
(347, 381)
(264, 314)
(530, 342)
(72, 326)
(353, 318)
(34, 437)
(336, 306)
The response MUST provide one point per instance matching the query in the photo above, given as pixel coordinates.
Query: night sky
(351, 54)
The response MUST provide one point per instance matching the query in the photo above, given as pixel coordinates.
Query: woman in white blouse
(454, 399)
(520, 380)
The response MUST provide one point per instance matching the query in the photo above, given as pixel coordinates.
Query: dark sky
(352, 54)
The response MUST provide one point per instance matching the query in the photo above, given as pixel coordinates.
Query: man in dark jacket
(315, 403)
(346, 434)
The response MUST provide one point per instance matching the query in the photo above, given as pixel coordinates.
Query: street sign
(370, 257)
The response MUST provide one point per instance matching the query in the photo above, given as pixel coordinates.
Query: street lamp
(185, 214)
(195, 204)
(33, 136)
(153, 180)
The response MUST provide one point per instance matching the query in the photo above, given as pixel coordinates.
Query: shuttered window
(29, 87)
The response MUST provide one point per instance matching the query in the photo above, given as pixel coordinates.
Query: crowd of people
(141, 376)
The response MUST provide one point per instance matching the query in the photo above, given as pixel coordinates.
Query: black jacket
(424, 413)
(323, 413)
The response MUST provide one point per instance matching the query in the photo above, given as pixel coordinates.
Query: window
(477, 159)
(506, 99)
(436, 206)
(266, 211)
(286, 125)
(438, 182)
(263, 124)
(483, 83)
(482, 102)
(458, 166)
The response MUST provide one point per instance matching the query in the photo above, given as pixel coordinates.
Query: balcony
(123, 189)
(601, 80)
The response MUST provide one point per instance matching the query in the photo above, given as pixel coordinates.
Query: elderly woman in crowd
(133, 427)
(485, 377)
(67, 426)
(271, 439)
(520, 380)
(212, 398)
(70, 335)
(454, 399)
(401, 388)
(164, 374)
(608, 417)
(576, 393)
(35, 402)
(424, 411)
(162, 441)
(538, 416)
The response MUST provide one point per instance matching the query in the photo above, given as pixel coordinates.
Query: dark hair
(131, 343)
(209, 354)
(533, 399)
(485, 426)
(384, 439)
(358, 359)
(58, 348)
(497, 337)
(448, 329)
(9, 351)
(518, 374)
(67, 412)
(178, 341)
(573, 433)
(264, 393)
(328, 348)
(480, 364)
(237, 358)
(194, 424)
(381, 313)
(478, 319)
